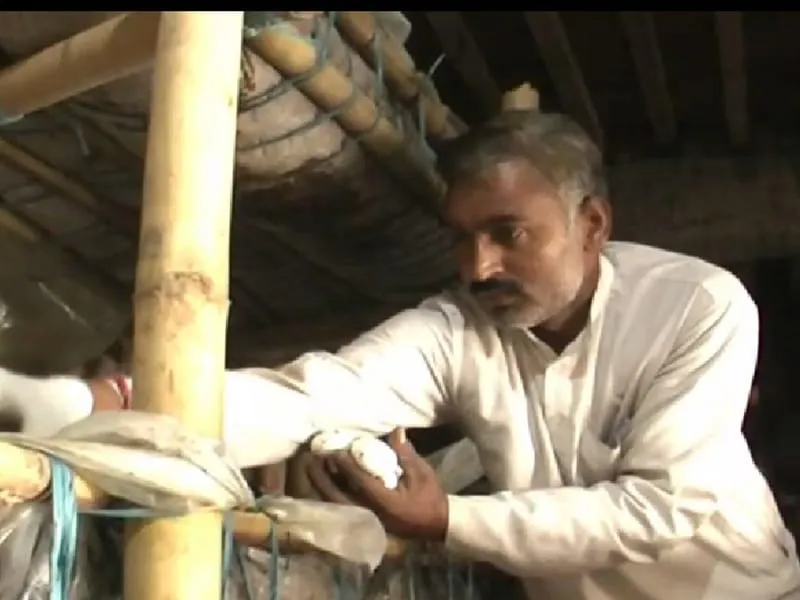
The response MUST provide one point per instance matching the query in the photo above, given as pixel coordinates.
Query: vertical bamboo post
(181, 301)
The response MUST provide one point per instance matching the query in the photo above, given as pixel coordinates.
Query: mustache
(494, 285)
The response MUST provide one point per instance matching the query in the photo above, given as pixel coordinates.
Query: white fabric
(43, 405)
(457, 465)
(46, 405)
(624, 468)
(146, 458)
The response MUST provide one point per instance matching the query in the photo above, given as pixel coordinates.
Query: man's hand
(310, 476)
(416, 509)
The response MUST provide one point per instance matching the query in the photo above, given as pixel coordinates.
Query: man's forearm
(572, 529)
(268, 413)
(264, 423)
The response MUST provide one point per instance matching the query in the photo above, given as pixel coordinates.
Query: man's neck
(559, 331)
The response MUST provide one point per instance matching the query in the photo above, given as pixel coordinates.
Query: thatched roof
(691, 108)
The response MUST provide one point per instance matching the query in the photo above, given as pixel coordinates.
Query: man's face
(523, 258)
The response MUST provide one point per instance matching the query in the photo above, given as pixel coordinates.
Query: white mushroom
(373, 455)
(378, 459)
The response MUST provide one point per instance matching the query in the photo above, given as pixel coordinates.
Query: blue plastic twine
(64, 547)
(274, 575)
(228, 549)
(65, 530)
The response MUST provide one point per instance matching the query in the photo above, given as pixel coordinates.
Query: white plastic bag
(147, 459)
(153, 462)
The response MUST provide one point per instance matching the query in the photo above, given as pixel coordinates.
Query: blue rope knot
(320, 39)
(64, 548)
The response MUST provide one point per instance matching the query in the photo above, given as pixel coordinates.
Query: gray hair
(555, 145)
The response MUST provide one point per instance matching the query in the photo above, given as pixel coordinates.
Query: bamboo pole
(106, 52)
(26, 475)
(181, 300)
(359, 29)
(333, 92)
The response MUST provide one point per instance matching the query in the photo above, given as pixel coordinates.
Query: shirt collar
(605, 283)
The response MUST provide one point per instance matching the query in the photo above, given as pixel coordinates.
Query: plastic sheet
(26, 532)
(147, 459)
(312, 577)
(25, 536)
(152, 461)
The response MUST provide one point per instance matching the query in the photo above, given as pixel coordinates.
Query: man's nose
(486, 260)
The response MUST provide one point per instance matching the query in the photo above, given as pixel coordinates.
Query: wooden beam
(18, 228)
(522, 97)
(125, 151)
(361, 31)
(51, 178)
(106, 52)
(556, 51)
(25, 228)
(99, 132)
(335, 93)
(640, 30)
(108, 139)
(730, 37)
(466, 57)
(28, 230)
(66, 186)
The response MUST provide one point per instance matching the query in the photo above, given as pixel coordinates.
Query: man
(604, 385)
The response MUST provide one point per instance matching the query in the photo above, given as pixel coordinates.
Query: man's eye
(508, 235)
(460, 237)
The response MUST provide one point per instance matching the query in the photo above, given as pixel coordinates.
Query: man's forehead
(510, 191)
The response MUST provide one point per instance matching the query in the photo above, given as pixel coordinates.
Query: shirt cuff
(458, 523)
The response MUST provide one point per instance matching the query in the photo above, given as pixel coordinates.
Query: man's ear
(596, 215)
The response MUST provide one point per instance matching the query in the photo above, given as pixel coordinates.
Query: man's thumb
(397, 439)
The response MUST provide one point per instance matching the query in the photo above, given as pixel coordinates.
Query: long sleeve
(674, 460)
(399, 374)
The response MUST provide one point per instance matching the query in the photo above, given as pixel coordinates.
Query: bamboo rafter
(126, 44)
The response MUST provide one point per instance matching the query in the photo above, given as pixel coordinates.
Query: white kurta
(623, 470)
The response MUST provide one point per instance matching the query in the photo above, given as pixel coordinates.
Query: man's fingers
(397, 438)
(320, 477)
(330, 464)
(398, 441)
(407, 456)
